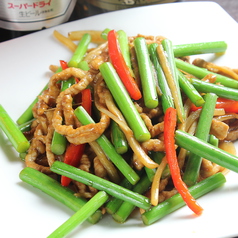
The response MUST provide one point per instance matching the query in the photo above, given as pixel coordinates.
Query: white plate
(27, 212)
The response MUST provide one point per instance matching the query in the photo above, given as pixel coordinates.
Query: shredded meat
(166, 194)
(82, 134)
(232, 121)
(232, 136)
(85, 191)
(153, 145)
(219, 129)
(208, 169)
(233, 130)
(99, 170)
(147, 115)
(40, 145)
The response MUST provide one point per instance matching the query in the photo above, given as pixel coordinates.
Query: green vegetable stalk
(101, 184)
(166, 97)
(12, 131)
(219, 90)
(206, 150)
(80, 51)
(126, 208)
(201, 73)
(146, 74)
(118, 138)
(199, 48)
(190, 90)
(124, 102)
(54, 189)
(114, 203)
(202, 132)
(80, 216)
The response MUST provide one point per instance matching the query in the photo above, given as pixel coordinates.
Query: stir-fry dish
(130, 122)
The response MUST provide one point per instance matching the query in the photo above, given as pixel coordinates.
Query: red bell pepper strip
(73, 152)
(194, 108)
(63, 64)
(170, 120)
(230, 106)
(120, 65)
(72, 157)
(87, 100)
